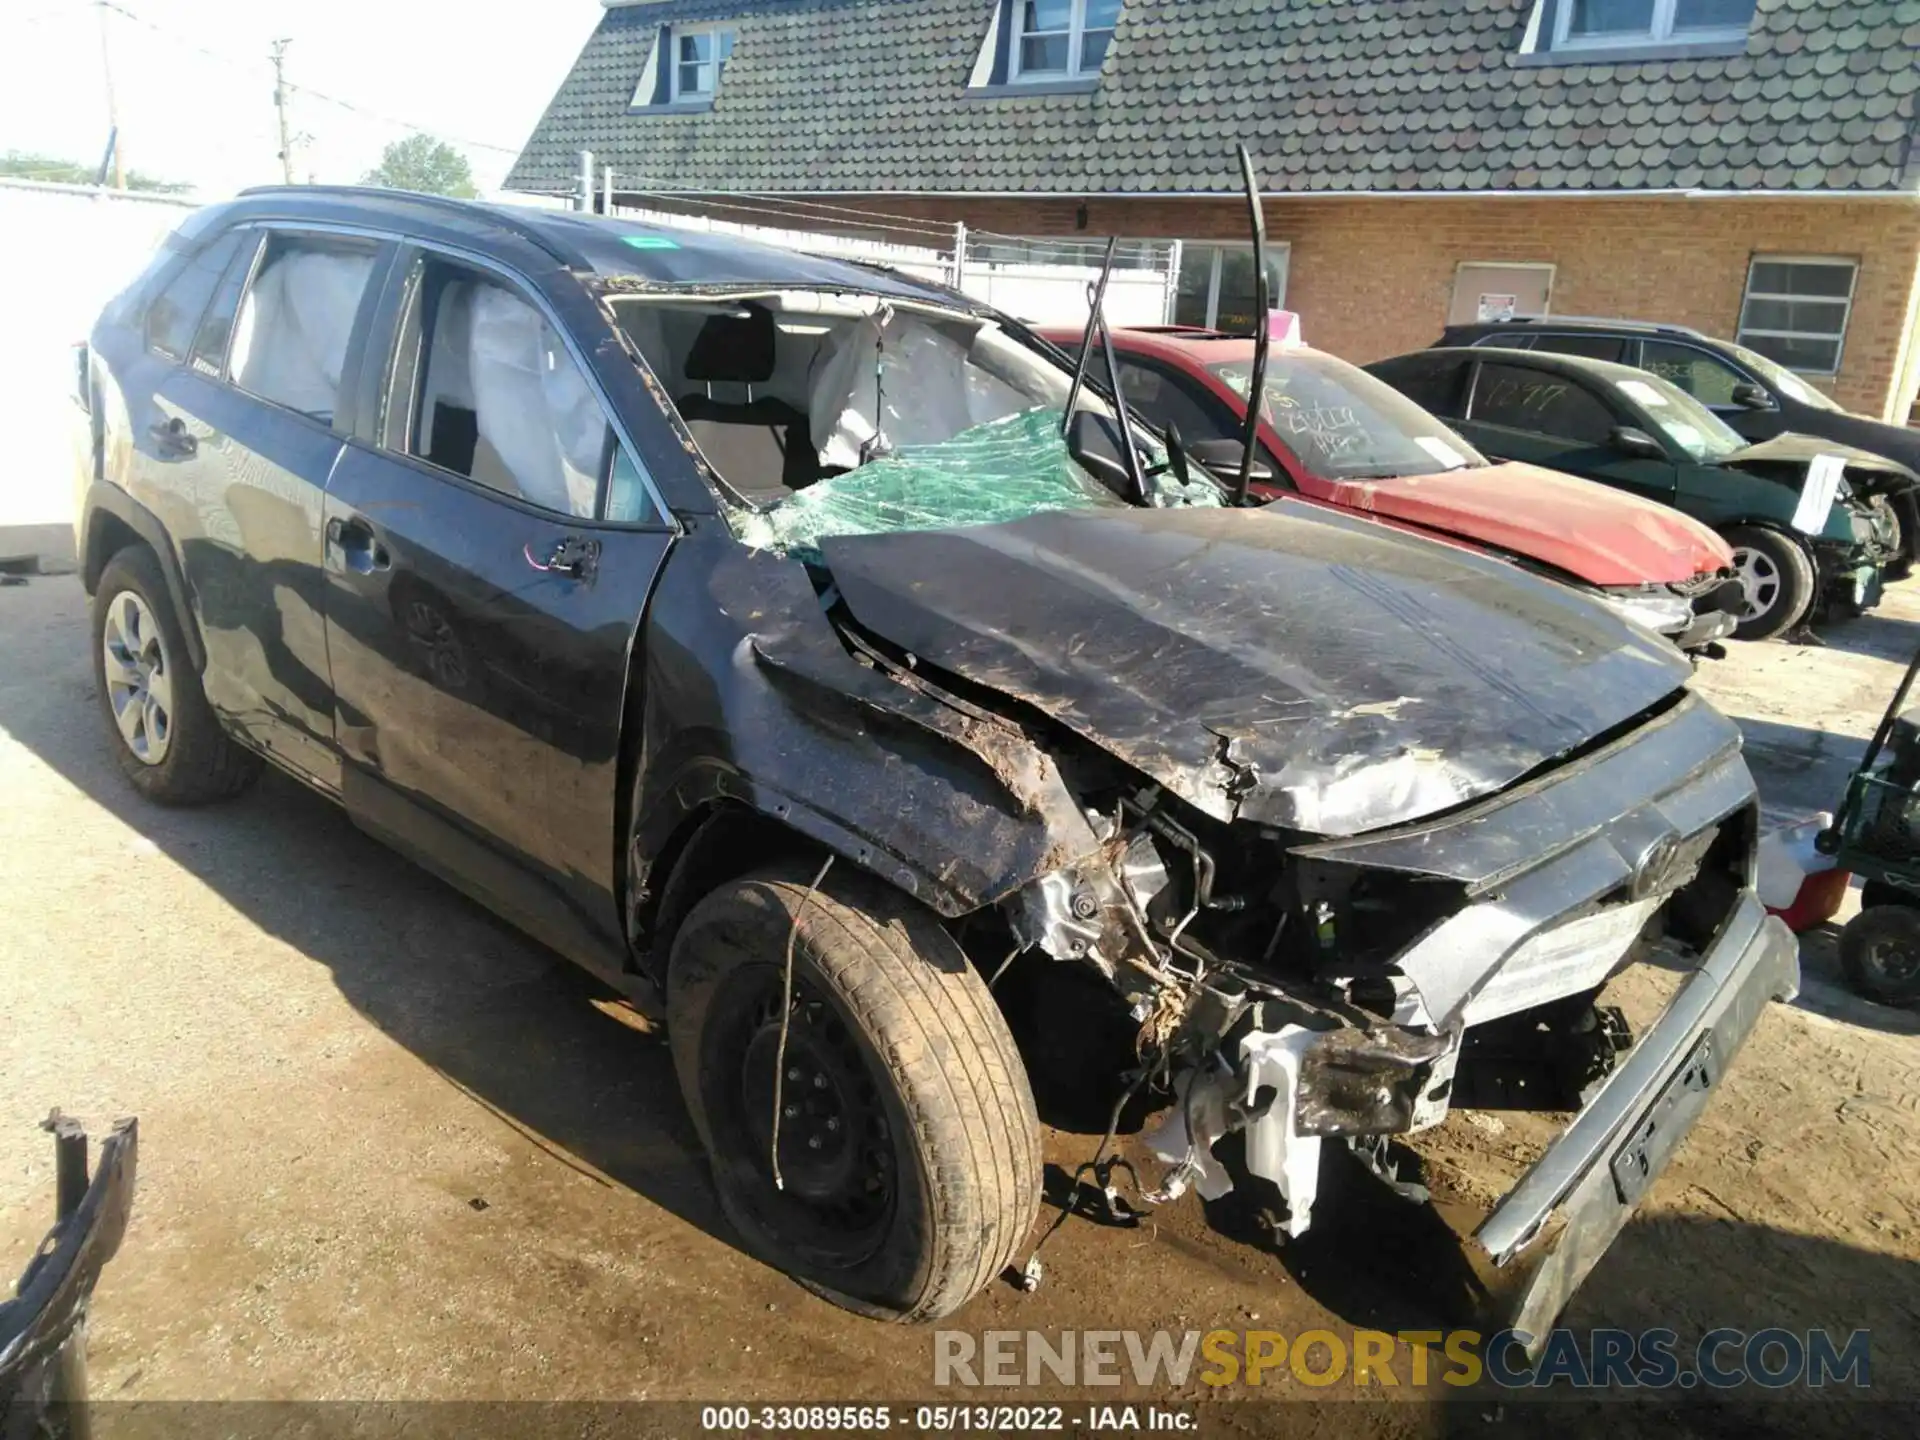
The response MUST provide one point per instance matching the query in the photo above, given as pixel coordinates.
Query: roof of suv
(602, 245)
(1600, 323)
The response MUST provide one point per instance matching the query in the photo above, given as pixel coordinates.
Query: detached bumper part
(1593, 1176)
(43, 1369)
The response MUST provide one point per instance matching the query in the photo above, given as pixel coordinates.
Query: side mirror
(1749, 396)
(1632, 440)
(1222, 457)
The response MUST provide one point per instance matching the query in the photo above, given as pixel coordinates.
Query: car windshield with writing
(1703, 435)
(1343, 424)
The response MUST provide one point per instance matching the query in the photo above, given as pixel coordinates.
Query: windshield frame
(1369, 391)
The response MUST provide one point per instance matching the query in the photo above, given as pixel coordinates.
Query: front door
(490, 550)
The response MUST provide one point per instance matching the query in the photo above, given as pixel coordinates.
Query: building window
(1215, 285)
(1796, 310)
(1061, 39)
(699, 53)
(1599, 24)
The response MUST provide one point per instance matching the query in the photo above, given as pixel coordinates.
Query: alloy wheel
(1759, 581)
(138, 674)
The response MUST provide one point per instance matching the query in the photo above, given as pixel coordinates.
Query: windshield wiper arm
(1257, 383)
(1097, 326)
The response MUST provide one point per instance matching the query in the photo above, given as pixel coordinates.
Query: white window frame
(1660, 31)
(1277, 251)
(1076, 35)
(677, 33)
(1748, 293)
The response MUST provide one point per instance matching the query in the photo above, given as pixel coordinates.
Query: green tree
(423, 164)
(21, 165)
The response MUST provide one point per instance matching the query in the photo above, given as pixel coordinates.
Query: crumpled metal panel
(1279, 665)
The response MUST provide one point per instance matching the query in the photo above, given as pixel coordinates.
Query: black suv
(1760, 398)
(798, 638)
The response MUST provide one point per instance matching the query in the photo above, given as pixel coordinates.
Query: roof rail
(1617, 322)
(497, 215)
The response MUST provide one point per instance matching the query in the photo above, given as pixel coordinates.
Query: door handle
(171, 439)
(573, 556)
(354, 541)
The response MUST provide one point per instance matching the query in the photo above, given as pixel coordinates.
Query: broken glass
(1004, 469)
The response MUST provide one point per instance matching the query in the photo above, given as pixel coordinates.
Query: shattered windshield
(847, 414)
(1682, 419)
(1005, 469)
(1343, 424)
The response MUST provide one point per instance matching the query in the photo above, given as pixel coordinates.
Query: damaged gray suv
(804, 642)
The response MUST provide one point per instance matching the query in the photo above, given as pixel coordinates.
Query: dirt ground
(391, 1150)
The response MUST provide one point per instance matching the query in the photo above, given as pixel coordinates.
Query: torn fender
(956, 807)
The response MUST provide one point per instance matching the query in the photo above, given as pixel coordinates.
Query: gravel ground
(392, 1150)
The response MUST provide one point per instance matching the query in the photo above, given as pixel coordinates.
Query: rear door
(248, 431)
(1552, 419)
(491, 541)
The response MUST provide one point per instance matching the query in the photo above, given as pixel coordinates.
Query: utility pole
(280, 108)
(113, 110)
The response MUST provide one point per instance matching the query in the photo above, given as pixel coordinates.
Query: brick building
(1749, 167)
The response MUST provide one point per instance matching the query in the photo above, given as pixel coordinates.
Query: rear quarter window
(173, 317)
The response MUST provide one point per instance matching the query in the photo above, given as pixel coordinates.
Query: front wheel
(1777, 578)
(1880, 953)
(909, 1146)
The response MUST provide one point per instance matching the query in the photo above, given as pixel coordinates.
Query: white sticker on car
(1449, 458)
(1643, 392)
(1817, 493)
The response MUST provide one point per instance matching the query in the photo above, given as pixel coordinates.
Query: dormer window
(699, 53)
(1060, 39)
(1581, 25)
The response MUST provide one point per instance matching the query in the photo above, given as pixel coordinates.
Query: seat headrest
(736, 349)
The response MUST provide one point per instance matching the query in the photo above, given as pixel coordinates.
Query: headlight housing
(1659, 613)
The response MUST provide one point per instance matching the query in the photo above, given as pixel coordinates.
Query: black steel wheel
(1880, 953)
(909, 1149)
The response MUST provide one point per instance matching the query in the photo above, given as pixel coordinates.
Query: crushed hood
(1278, 664)
(1602, 535)
(1799, 450)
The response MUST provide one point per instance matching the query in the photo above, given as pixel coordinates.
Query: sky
(194, 84)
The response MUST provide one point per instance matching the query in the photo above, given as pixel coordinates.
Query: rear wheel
(908, 1147)
(1880, 953)
(165, 735)
(1777, 577)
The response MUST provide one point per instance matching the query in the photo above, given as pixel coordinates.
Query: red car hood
(1604, 536)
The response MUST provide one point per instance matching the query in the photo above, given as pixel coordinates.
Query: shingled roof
(1383, 96)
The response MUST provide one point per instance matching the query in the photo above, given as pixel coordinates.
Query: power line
(778, 219)
(308, 90)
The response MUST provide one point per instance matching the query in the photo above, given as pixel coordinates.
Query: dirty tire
(1880, 953)
(891, 1019)
(200, 762)
(1783, 573)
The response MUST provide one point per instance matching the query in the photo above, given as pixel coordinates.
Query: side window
(175, 311)
(1594, 347)
(501, 401)
(1705, 377)
(290, 339)
(216, 326)
(1540, 401)
(1431, 381)
(1165, 400)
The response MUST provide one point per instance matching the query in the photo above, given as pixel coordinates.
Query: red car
(1334, 435)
